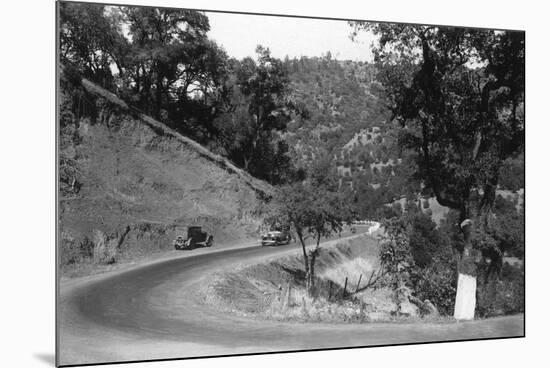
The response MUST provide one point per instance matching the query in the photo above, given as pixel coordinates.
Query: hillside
(341, 100)
(347, 118)
(128, 184)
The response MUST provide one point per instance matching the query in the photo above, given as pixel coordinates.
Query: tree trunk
(158, 90)
(465, 302)
(311, 274)
(158, 98)
(306, 260)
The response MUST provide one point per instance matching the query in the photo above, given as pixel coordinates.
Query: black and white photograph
(232, 183)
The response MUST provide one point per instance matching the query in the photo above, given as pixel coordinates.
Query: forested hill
(347, 123)
(341, 99)
(344, 119)
(275, 119)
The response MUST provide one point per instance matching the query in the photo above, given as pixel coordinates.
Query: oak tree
(458, 95)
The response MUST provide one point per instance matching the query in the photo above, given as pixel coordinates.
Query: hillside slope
(129, 184)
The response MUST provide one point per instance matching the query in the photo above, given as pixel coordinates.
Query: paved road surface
(154, 312)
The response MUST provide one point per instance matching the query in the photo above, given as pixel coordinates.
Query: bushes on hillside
(502, 295)
(512, 173)
(430, 272)
(437, 283)
(396, 260)
(74, 251)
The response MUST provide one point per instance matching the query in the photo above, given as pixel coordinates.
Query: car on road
(195, 238)
(276, 238)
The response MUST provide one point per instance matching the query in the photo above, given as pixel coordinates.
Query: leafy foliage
(437, 283)
(502, 295)
(458, 95)
(512, 173)
(158, 59)
(462, 121)
(396, 259)
(91, 39)
(261, 108)
(312, 208)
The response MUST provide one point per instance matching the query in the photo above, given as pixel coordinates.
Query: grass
(275, 290)
(135, 171)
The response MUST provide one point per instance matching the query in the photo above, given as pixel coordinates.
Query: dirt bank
(275, 289)
(129, 184)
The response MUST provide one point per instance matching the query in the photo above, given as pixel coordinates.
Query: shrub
(426, 242)
(397, 208)
(512, 174)
(437, 284)
(105, 248)
(500, 297)
(396, 259)
(69, 252)
(73, 251)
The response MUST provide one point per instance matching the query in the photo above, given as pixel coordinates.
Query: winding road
(155, 311)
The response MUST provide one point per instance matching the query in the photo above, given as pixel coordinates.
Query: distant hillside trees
(458, 96)
(338, 99)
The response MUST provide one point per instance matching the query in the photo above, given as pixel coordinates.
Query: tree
(265, 85)
(91, 39)
(396, 260)
(311, 211)
(173, 66)
(258, 112)
(162, 63)
(458, 95)
(424, 239)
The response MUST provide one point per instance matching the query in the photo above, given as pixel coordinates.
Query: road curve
(156, 312)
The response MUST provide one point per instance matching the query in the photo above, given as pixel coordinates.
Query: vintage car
(276, 238)
(195, 238)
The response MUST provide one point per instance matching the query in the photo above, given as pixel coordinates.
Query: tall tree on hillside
(159, 60)
(259, 110)
(174, 66)
(265, 85)
(458, 94)
(91, 40)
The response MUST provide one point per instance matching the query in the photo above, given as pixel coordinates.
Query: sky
(239, 34)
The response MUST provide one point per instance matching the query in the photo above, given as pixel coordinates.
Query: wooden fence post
(345, 287)
(358, 282)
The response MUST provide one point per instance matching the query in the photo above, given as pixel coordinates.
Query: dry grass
(275, 290)
(136, 172)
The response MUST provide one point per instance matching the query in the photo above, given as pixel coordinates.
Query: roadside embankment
(345, 287)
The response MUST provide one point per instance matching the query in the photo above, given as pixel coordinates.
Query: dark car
(276, 238)
(195, 238)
